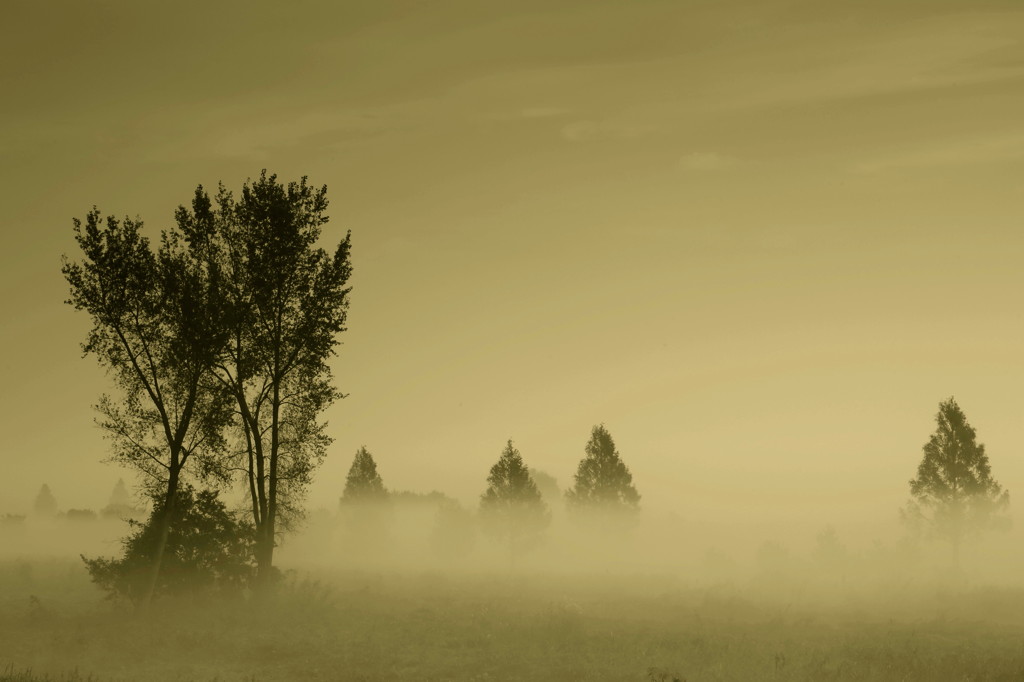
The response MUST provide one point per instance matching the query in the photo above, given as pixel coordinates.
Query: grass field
(428, 626)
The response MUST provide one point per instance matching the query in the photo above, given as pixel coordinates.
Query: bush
(207, 549)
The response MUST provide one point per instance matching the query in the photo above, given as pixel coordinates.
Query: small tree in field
(119, 497)
(512, 508)
(954, 494)
(46, 503)
(120, 505)
(363, 483)
(603, 484)
(366, 513)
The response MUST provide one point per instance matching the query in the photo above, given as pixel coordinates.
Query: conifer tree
(603, 482)
(512, 508)
(120, 505)
(954, 494)
(46, 503)
(363, 483)
(119, 497)
(366, 509)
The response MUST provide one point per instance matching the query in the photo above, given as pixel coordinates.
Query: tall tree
(363, 483)
(512, 508)
(286, 301)
(155, 327)
(603, 482)
(954, 494)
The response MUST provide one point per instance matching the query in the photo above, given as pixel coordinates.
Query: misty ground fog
(416, 589)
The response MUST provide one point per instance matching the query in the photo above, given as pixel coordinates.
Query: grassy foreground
(360, 626)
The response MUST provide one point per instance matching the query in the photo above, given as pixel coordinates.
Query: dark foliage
(954, 494)
(602, 479)
(156, 316)
(512, 508)
(363, 483)
(208, 548)
(285, 302)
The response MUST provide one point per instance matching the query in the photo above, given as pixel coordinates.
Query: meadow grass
(433, 626)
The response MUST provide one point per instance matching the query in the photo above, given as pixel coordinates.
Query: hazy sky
(760, 241)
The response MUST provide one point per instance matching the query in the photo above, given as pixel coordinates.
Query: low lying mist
(421, 586)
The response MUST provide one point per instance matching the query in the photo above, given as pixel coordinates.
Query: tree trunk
(164, 528)
(265, 558)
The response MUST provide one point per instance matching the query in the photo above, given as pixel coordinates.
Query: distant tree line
(512, 509)
(120, 506)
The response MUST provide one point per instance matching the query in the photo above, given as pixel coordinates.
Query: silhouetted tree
(954, 494)
(285, 302)
(603, 483)
(156, 326)
(363, 483)
(46, 503)
(511, 508)
(206, 548)
(366, 513)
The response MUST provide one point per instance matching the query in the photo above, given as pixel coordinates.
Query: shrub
(207, 549)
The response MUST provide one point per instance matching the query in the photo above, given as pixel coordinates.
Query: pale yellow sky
(760, 241)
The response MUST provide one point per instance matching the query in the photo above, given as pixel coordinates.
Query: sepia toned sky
(759, 241)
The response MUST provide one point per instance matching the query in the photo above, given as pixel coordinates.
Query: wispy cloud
(706, 161)
(991, 149)
(543, 112)
(580, 131)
